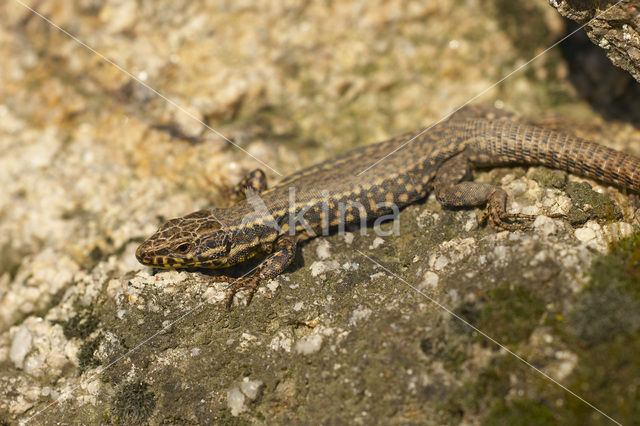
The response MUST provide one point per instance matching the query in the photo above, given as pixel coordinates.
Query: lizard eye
(183, 248)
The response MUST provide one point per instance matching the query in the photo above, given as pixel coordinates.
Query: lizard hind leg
(451, 192)
(473, 194)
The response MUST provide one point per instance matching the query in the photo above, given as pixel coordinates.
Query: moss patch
(81, 325)
(602, 329)
(604, 314)
(511, 313)
(620, 268)
(519, 412)
(440, 348)
(609, 307)
(605, 327)
(473, 395)
(586, 204)
(85, 354)
(549, 178)
(134, 403)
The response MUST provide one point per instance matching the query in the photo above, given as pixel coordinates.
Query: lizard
(334, 193)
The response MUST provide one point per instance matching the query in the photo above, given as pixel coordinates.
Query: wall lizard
(438, 160)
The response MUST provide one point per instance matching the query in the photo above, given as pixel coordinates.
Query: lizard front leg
(284, 249)
(255, 180)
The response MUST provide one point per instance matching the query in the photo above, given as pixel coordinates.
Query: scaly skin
(437, 160)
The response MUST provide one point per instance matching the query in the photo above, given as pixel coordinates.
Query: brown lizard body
(337, 192)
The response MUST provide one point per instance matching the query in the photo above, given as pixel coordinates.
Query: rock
(309, 344)
(235, 401)
(20, 346)
(615, 27)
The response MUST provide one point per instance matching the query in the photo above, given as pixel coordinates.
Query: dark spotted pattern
(438, 160)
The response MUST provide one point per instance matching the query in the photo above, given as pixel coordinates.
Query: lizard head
(196, 240)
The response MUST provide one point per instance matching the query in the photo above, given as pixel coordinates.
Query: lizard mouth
(164, 261)
(159, 259)
(147, 256)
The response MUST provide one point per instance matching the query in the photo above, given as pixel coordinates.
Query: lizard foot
(500, 219)
(251, 282)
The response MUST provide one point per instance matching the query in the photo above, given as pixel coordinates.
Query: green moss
(609, 306)
(519, 412)
(606, 376)
(487, 396)
(601, 315)
(620, 268)
(604, 330)
(453, 360)
(586, 204)
(85, 354)
(511, 313)
(226, 418)
(134, 403)
(81, 325)
(549, 178)
(472, 396)
(440, 349)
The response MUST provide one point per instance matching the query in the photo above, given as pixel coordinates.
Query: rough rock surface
(612, 25)
(357, 331)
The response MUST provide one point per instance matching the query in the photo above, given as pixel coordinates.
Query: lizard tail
(510, 142)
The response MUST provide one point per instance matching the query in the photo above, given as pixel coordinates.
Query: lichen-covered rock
(614, 26)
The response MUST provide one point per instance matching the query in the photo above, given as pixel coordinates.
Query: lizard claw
(252, 283)
(235, 285)
(501, 220)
